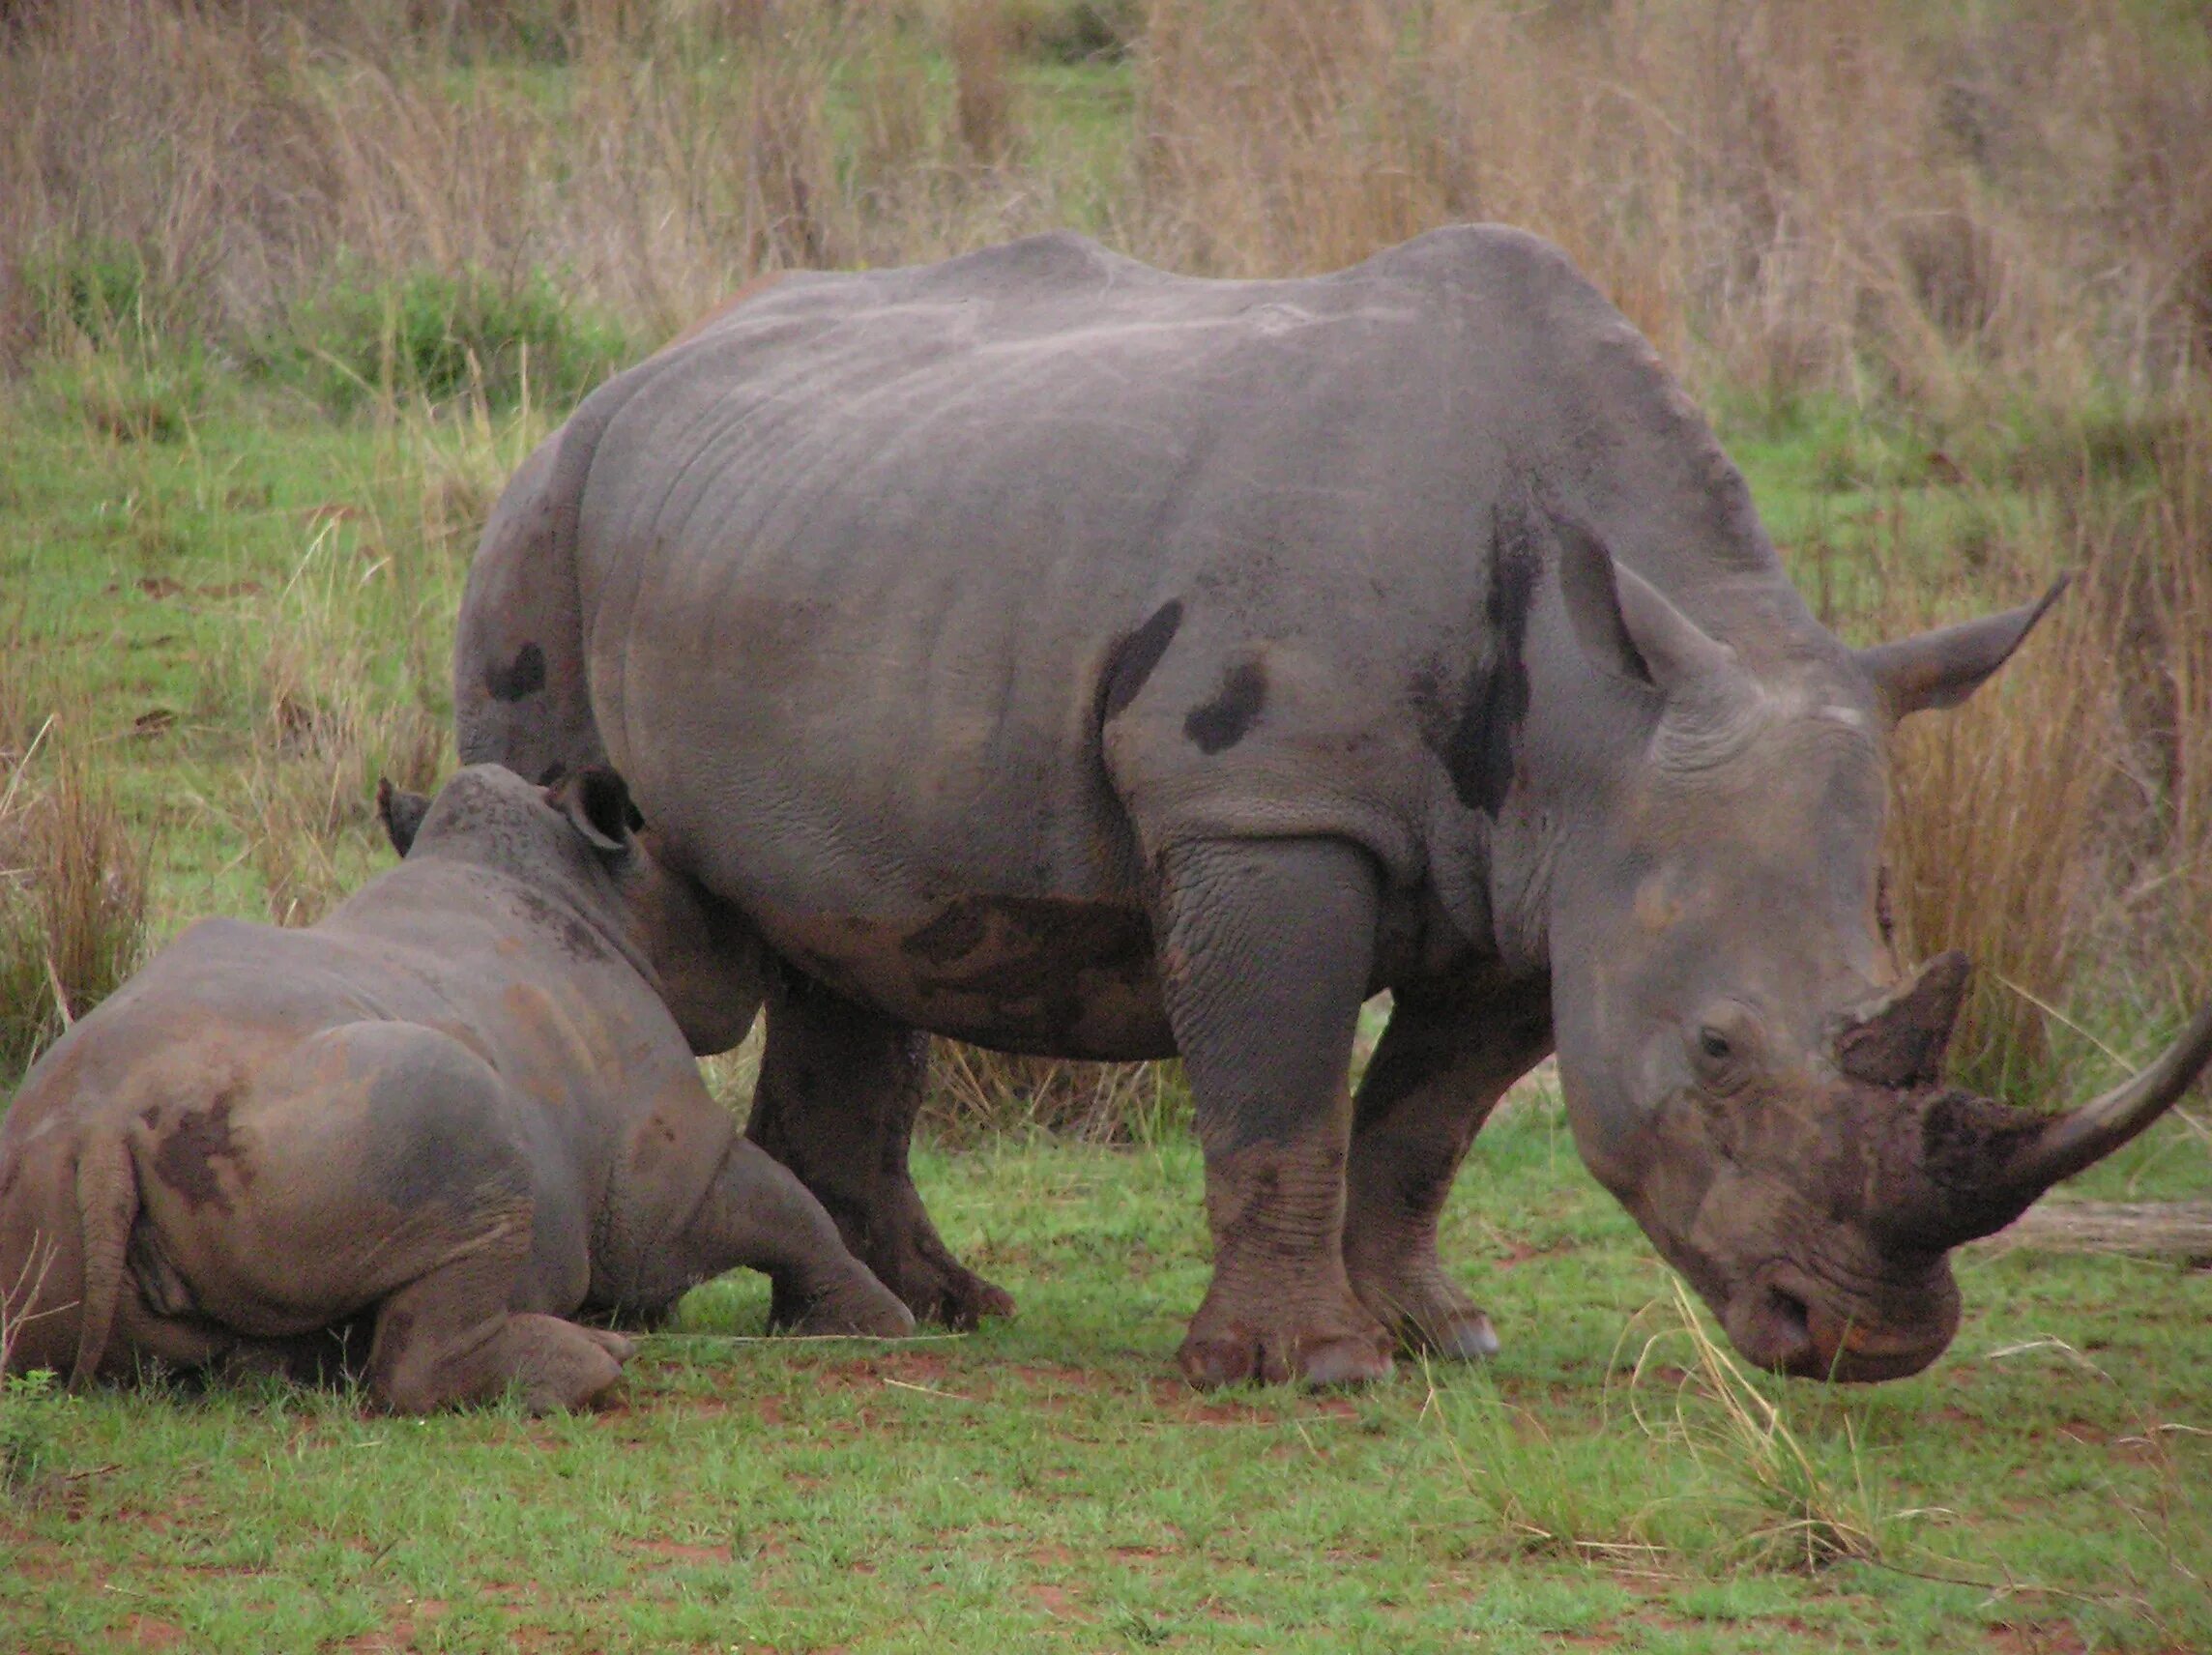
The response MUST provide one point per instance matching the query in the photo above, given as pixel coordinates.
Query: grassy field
(1046, 1484)
(287, 289)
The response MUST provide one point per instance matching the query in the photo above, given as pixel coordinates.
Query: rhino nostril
(1790, 1318)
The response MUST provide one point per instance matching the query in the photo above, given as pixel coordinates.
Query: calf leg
(1267, 946)
(1445, 1061)
(756, 1213)
(839, 1088)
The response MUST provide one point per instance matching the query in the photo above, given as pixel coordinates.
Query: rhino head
(1745, 1064)
(580, 839)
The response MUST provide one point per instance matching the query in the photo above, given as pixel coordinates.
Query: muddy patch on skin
(189, 1153)
(577, 940)
(1222, 722)
(1480, 744)
(1131, 660)
(523, 676)
(1037, 973)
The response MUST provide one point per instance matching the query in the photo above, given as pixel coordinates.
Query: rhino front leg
(1446, 1060)
(1268, 949)
(758, 1215)
(839, 1088)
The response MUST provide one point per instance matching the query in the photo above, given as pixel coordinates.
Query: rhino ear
(1626, 625)
(401, 814)
(597, 804)
(1943, 667)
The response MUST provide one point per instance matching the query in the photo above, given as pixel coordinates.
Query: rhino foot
(921, 1272)
(1275, 1355)
(863, 1307)
(941, 1289)
(1270, 1342)
(1431, 1317)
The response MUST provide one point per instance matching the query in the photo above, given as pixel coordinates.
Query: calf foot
(558, 1365)
(921, 1278)
(862, 1307)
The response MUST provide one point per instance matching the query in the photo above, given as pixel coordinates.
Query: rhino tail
(107, 1204)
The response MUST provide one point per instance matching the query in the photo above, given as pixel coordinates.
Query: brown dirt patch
(2056, 1638)
(151, 1632)
(1056, 1601)
(397, 1636)
(677, 1552)
(908, 1367)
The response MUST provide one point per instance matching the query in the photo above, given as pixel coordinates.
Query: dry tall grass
(1989, 218)
(73, 895)
(1779, 195)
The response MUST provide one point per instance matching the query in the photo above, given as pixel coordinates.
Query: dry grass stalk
(72, 899)
(983, 97)
(1998, 822)
(1802, 1519)
(975, 1092)
(1787, 199)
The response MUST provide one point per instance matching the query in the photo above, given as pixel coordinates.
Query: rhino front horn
(1978, 1164)
(2068, 1142)
(1902, 1039)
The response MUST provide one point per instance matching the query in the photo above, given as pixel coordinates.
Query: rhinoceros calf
(1051, 652)
(464, 1105)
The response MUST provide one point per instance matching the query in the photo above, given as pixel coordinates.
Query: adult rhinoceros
(1046, 651)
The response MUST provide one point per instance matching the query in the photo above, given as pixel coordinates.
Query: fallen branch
(2144, 1229)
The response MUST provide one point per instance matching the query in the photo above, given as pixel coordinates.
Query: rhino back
(992, 577)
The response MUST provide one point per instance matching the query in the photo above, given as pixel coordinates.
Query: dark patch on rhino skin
(1220, 724)
(954, 934)
(1478, 750)
(1037, 964)
(577, 940)
(186, 1160)
(524, 676)
(1132, 658)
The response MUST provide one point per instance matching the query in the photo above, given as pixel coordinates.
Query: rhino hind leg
(839, 1088)
(1445, 1061)
(1268, 949)
(448, 1339)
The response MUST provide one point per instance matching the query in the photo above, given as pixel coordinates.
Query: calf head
(581, 842)
(1745, 1065)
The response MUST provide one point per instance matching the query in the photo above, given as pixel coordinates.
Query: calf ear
(1626, 625)
(597, 804)
(401, 814)
(1943, 667)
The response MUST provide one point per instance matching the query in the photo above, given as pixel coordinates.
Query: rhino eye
(1714, 1044)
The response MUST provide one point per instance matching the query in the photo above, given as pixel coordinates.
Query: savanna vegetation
(288, 286)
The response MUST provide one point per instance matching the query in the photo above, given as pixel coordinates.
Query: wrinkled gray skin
(1048, 652)
(446, 1119)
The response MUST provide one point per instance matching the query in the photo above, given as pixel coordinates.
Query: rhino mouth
(1786, 1322)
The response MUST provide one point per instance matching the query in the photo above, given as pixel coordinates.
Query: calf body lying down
(457, 1111)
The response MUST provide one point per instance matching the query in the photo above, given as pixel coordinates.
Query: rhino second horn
(2083, 1136)
(1901, 1041)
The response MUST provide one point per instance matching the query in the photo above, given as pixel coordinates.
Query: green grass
(182, 549)
(1046, 1484)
